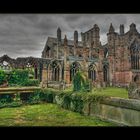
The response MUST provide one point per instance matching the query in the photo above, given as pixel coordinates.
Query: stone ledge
(124, 103)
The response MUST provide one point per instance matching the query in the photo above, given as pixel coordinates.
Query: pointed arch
(105, 52)
(92, 72)
(105, 73)
(54, 71)
(135, 55)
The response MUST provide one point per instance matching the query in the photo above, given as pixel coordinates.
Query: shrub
(34, 98)
(77, 81)
(77, 103)
(6, 98)
(31, 82)
(81, 82)
(66, 101)
(49, 96)
(41, 95)
(2, 77)
(87, 86)
(25, 96)
(18, 77)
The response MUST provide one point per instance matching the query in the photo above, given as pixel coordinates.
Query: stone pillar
(60, 74)
(67, 76)
(44, 74)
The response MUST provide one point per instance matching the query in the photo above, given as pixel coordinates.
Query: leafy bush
(81, 82)
(49, 95)
(87, 85)
(6, 98)
(14, 104)
(25, 96)
(31, 82)
(2, 77)
(77, 103)
(18, 77)
(66, 101)
(77, 81)
(42, 96)
(34, 98)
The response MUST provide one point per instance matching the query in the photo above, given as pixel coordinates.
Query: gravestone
(134, 90)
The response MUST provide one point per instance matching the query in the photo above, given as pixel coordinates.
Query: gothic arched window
(73, 69)
(105, 73)
(105, 53)
(135, 56)
(55, 71)
(92, 73)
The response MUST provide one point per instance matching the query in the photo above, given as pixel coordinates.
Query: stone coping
(124, 103)
(18, 88)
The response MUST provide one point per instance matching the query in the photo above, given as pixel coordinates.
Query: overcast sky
(24, 35)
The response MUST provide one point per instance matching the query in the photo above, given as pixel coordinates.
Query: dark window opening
(74, 68)
(92, 73)
(105, 73)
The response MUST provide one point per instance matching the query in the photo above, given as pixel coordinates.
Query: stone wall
(121, 111)
(124, 112)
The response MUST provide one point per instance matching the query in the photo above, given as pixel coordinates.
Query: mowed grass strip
(46, 115)
(112, 92)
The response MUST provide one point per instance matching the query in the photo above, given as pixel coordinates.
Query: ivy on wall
(2, 77)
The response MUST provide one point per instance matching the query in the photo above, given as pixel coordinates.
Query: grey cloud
(26, 34)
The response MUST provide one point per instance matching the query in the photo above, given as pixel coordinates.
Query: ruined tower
(59, 53)
(111, 36)
(59, 35)
(75, 41)
(96, 36)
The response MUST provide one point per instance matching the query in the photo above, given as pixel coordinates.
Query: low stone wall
(118, 110)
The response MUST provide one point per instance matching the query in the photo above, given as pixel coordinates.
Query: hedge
(69, 100)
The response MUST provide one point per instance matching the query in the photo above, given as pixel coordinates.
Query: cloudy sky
(24, 35)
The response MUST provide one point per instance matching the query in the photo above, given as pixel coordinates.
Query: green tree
(2, 76)
(81, 82)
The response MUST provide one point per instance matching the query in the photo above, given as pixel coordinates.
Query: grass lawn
(46, 115)
(112, 91)
(109, 91)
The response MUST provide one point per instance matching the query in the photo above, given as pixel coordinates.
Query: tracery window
(73, 69)
(105, 53)
(92, 72)
(135, 56)
(105, 73)
(55, 71)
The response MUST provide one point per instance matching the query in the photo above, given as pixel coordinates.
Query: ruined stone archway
(54, 71)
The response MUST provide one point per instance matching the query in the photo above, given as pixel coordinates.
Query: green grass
(46, 115)
(112, 91)
(108, 91)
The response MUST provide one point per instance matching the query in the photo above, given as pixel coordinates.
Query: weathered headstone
(134, 90)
